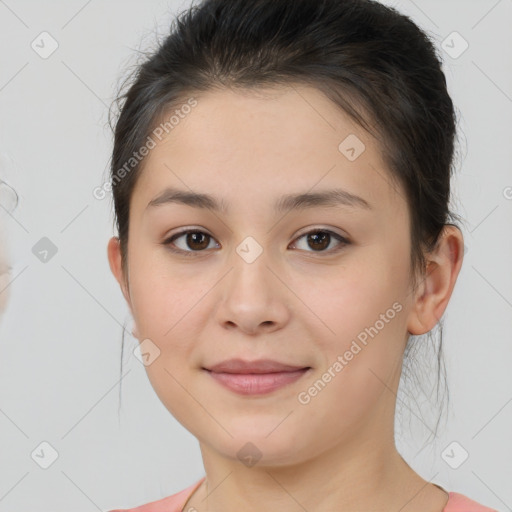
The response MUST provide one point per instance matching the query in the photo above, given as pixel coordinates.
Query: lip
(255, 377)
(257, 366)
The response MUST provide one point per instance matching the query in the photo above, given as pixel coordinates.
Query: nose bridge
(252, 296)
(250, 274)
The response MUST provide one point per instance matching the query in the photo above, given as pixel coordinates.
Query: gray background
(60, 338)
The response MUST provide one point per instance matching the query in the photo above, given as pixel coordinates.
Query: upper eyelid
(187, 230)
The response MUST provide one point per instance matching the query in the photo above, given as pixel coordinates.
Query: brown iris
(320, 239)
(201, 239)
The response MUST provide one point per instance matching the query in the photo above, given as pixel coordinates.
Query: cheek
(362, 318)
(159, 294)
(347, 299)
(167, 306)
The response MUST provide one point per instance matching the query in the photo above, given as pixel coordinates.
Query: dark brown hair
(374, 63)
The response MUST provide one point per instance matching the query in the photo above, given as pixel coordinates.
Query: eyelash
(168, 243)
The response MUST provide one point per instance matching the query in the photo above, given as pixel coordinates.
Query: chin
(276, 449)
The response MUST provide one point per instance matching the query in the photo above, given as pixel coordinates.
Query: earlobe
(418, 320)
(115, 262)
(435, 290)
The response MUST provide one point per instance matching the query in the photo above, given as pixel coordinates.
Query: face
(322, 285)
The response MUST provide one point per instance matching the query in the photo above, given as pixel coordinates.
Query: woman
(281, 179)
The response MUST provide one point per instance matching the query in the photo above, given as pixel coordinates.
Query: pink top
(175, 503)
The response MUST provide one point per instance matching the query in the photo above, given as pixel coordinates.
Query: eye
(194, 239)
(319, 239)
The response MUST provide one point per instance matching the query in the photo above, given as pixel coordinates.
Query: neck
(335, 480)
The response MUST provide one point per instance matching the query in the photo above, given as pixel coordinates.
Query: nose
(252, 298)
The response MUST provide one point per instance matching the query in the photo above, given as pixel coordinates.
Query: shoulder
(460, 503)
(173, 503)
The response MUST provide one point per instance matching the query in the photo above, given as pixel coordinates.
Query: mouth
(256, 377)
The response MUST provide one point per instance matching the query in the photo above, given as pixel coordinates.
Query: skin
(294, 303)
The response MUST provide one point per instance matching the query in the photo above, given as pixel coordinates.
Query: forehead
(264, 143)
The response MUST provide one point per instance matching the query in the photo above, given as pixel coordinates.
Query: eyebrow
(300, 201)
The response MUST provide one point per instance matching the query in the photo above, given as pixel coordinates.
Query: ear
(115, 262)
(434, 292)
